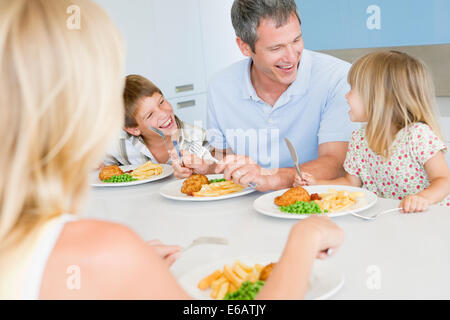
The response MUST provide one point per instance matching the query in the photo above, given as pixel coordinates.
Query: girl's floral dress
(403, 173)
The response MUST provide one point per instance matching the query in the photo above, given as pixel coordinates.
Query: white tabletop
(398, 256)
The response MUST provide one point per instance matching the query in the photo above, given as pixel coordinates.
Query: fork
(175, 142)
(201, 152)
(374, 217)
(206, 240)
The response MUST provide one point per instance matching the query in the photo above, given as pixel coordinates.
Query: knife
(293, 154)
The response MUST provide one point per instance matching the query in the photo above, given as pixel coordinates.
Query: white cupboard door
(191, 109)
(177, 48)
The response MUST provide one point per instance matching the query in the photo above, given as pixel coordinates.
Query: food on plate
(194, 183)
(266, 271)
(216, 180)
(298, 201)
(218, 189)
(315, 196)
(147, 170)
(120, 178)
(338, 200)
(291, 196)
(301, 207)
(198, 185)
(236, 282)
(109, 171)
(247, 291)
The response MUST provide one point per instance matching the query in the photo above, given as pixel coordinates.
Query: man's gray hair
(246, 15)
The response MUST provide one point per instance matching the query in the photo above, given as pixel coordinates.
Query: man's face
(278, 50)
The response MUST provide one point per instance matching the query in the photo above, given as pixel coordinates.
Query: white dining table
(398, 256)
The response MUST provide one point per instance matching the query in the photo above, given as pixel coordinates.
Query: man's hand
(243, 170)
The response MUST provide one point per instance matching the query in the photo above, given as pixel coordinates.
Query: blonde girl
(399, 153)
(61, 103)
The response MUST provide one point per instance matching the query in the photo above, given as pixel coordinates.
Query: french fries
(229, 279)
(218, 189)
(338, 200)
(147, 170)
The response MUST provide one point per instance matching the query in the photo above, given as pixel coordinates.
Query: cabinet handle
(186, 104)
(186, 87)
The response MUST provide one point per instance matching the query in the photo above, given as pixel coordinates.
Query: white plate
(324, 282)
(96, 182)
(172, 190)
(266, 206)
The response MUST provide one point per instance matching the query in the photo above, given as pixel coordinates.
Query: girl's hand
(414, 203)
(305, 179)
(168, 253)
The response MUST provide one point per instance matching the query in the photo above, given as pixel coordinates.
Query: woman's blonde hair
(61, 103)
(396, 90)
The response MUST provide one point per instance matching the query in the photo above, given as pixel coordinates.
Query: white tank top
(21, 270)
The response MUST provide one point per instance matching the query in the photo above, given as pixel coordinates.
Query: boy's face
(156, 112)
(357, 111)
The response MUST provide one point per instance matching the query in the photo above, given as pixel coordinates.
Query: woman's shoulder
(95, 251)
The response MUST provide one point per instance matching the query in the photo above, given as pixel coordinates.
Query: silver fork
(200, 151)
(206, 240)
(175, 143)
(203, 153)
(374, 217)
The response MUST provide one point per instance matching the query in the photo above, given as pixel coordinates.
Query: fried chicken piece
(109, 171)
(292, 196)
(266, 271)
(194, 184)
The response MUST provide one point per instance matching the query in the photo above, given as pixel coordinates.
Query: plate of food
(119, 176)
(300, 202)
(200, 187)
(242, 277)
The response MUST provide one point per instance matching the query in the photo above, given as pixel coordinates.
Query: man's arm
(330, 161)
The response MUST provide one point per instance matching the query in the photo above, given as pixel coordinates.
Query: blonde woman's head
(396, 90)
(60, 104)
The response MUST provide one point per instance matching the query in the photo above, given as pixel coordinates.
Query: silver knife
(293, 155)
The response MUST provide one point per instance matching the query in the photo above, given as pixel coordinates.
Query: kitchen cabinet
(191, 109)
(163, 42)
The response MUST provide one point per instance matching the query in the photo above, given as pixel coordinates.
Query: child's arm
(347, 180)
(439, 175)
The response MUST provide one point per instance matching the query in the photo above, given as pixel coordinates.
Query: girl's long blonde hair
(60, 104)
(396, 90)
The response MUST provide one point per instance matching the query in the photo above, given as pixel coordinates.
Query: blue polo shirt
(313, 110)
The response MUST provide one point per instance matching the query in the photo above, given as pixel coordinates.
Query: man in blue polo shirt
(281, 90)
